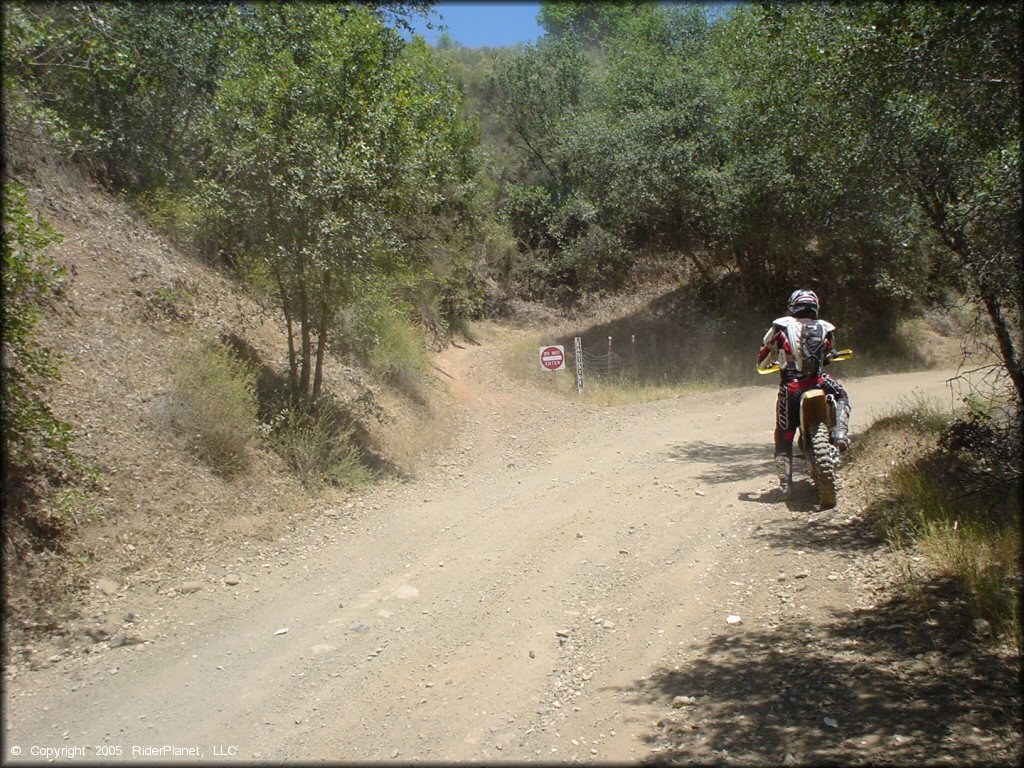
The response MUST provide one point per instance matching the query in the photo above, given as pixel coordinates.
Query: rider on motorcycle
(804, 345)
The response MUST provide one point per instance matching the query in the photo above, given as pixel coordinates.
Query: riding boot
(784, 469)
(840, 432)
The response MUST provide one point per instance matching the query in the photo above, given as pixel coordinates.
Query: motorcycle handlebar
(839, 354)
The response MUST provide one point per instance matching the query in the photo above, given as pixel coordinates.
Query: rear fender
(813, 410)
(830, 411)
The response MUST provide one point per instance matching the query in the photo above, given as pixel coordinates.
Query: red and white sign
(552, 358)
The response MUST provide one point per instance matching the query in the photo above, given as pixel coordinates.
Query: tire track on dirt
(520, 603)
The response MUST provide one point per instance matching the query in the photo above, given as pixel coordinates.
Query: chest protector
(812, 349)
(805, 340)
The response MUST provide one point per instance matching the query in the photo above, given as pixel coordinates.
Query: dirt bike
(814, 434)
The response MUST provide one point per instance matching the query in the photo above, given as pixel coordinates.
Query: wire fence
(635, 360)
(613, 364)
(623, 361)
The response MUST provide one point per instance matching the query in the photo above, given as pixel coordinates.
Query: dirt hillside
(130, 301)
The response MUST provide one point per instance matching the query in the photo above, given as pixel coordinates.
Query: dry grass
(617, 383)
(213, 404)
(947, 517)
(319, 448)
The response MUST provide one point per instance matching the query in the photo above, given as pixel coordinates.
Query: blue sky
(484, 23)
(496, 23)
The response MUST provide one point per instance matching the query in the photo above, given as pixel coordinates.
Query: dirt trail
(546, 594)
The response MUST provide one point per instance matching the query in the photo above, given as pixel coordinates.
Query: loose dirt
(567, 583)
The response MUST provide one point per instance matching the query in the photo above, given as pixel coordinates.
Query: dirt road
(559, 589)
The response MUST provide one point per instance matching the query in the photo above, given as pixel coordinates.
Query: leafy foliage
(128, 83)
(870, 151)
(334, 145)
(384, 337)
(588, 22)
(615, 131)
(537, 90)
(322, 144)
(33, 435)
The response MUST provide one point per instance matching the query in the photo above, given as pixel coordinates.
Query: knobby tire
(826, 457)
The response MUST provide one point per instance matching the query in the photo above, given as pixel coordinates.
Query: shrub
(390, 344)
(599, 259)
(213, 404)
(989, 445)
(174, 214)
(959, 505)
(317, 445)
(33, 436)
(527, 210)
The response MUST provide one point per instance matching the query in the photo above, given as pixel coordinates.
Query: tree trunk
(307, 346)
(958, 241)
(1008, 350)
(321, 349)
(293, 368)
(323, 318)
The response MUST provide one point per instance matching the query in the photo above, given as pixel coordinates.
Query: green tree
(587, 22)
(333, 141)
(949, 106)
(797, 197)
(537, 90)
(616, 126)
(878, 144)
(128, 83)
(639, 150)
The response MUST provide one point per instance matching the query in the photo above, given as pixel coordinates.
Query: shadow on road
(875, 686)
(739, 463)
(809, 530)
(726, 463)
(803, 497)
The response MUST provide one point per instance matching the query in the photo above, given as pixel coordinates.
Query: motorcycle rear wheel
(826, 459)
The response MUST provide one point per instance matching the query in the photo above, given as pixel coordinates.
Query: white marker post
(578, 350)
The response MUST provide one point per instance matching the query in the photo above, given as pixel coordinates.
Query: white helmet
(803, 302)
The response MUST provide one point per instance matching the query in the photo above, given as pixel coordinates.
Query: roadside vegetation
(318, 445)
(213, 404)
(216, 406)
(380, 194)
(952, 507)
(41, 467)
